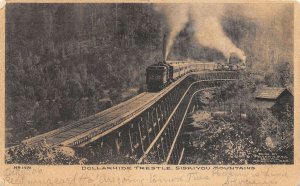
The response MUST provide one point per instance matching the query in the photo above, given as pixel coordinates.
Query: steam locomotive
(162, 74)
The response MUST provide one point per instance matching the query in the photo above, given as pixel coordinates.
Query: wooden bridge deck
(103, 122)
(89, 129)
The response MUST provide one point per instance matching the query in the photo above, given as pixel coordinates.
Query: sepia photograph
(149, 83)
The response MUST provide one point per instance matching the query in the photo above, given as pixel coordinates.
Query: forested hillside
(63, 59)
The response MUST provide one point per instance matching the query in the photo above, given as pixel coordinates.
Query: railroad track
(89, 128)
(90, 119)
(100, 131)
(81, 121)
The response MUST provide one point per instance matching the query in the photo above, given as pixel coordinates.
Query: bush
(42, 154)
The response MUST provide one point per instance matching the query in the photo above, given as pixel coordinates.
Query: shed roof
(291, 89)
(271, 93)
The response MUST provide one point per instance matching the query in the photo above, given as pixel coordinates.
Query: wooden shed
(274, 98)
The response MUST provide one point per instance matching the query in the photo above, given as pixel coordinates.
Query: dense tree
(72, 52)
(42, 154)
(281, 76)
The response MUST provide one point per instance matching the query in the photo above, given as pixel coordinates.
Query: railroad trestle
(152, 136)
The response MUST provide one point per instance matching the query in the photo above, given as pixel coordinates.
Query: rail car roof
(176, 65)
(156, 67)
(172, 62)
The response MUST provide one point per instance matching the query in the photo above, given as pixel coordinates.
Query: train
(160, 75)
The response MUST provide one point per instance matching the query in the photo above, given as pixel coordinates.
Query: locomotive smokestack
(165, 48)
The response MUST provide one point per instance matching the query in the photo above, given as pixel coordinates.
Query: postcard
(149, 93)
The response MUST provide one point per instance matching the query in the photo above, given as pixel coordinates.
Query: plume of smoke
(209, 32)
(177, 16)
(205, 19)
(213, 36)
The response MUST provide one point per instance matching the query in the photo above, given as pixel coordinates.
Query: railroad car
(236, 63)
(157, 76)
(219, 67)
(198, 66)
(177, 70)
(210, 66)
(226, 67)
(233, 67)
(241, 66)
(161, 74)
